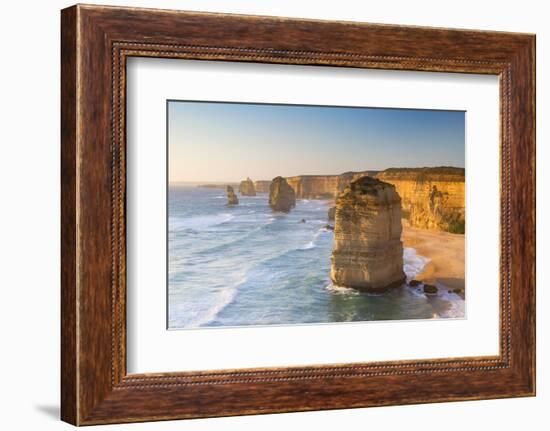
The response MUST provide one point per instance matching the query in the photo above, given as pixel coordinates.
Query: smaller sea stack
(368, 252)
(331, 213)
(246, 188)
(281, 196)
(232, 198)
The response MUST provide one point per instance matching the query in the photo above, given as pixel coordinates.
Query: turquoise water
(246, 265)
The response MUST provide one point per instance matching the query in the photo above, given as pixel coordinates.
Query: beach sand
(445, 251)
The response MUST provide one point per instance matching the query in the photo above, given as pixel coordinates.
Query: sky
(227, 142)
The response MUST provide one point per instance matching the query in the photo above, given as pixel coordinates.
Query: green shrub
(458, 226)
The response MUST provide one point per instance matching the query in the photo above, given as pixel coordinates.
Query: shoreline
(445, 251)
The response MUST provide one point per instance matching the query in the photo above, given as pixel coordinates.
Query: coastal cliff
(281, 195)
(368, 252)
(323, 186)
(246, 188)
(262, 186)
(434, 198)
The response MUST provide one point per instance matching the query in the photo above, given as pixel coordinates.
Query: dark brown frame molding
(95, 43)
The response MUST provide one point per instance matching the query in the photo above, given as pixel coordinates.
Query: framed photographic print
(267, 215)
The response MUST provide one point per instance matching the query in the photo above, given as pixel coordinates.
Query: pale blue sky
(226, 142)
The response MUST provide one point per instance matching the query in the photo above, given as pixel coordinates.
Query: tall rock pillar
(246, 188)
(368, 252)
(281, 196)
(232, 198)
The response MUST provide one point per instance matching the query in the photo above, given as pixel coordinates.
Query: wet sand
(445, 251)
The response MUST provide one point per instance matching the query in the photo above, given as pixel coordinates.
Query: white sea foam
(211, 308)
(198, 222)
(311, 244)
(418, 291)
(413, 264)
(456, 305)
(341, 289)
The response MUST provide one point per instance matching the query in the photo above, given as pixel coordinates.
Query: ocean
(246, 265)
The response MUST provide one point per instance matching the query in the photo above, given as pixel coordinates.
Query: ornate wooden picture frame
(96, 41)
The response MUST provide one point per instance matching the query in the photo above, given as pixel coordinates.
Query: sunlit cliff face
(368, 252)
(432, 198)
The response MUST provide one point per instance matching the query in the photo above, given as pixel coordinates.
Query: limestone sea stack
(281, 196)
(368, 252)
(246, 188)
(331, 213)
(232, 198)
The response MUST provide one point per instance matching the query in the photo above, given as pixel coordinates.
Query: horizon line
(308, 175)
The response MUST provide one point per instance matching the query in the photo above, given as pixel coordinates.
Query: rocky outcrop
(331, 214)
(434, 213)
(314, 186)
(368, 252)
(262, 186)
(430, 289)
(232, 198)
(433, 198)
(281, 196)
(323, 186)
(246, 188)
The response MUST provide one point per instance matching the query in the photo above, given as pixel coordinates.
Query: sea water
(247, 265)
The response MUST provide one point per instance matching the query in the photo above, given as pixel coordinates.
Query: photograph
(304, 214)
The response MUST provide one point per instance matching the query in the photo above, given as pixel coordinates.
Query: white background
(29, 216)
(153, 349)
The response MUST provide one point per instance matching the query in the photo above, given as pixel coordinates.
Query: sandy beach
(445, 251)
